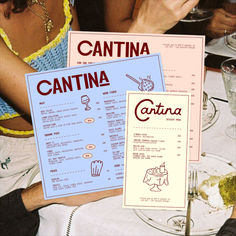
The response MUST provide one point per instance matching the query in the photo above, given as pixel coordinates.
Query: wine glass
(85, 100)
(230, 41)
(197, 15)
(228, 69)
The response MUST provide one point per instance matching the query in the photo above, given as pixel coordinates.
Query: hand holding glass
(230, 36)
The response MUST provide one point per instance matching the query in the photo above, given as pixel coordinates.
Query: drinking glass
(197, 15)
(228, 69)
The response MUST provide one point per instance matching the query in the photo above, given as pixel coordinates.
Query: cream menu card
(156, 150)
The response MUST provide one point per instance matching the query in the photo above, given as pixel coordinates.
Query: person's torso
(24, 33)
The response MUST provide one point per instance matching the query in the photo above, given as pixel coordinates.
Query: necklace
(48, 24)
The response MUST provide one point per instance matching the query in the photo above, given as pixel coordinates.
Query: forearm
(12, 79)
(124, 26)
(33, 197)
(118, 14)
(139, 26)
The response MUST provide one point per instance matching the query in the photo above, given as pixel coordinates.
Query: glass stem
(195, 9)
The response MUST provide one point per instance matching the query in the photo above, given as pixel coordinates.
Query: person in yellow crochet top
(33, 37)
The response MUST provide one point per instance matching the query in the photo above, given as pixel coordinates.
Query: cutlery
(192, 194)
(205, 99)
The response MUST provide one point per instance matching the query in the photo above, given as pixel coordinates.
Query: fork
(205, 99)
(192, 194)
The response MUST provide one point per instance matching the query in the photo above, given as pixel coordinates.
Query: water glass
(228, 69)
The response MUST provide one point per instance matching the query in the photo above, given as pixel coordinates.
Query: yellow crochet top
(33, 56)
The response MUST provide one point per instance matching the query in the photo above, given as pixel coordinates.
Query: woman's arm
(12, 78)
(118, 14)
(154, 16)
(33, 198)
(157, 16)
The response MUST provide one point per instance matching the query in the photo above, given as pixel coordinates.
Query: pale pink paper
(182, 59)
(156, 150)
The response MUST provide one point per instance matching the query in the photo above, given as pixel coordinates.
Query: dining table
(106, 217)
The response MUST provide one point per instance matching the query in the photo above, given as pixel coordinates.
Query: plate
(205, 220)
(210, 115)
(230, 41)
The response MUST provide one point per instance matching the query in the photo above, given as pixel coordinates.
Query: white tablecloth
(106, 217)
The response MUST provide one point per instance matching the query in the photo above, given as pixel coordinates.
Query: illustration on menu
(78, 116)
(156, 177)
(85, 100)
(144, 84)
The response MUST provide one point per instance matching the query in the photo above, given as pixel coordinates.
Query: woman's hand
(221, 23)
(158, 16)
(33, 197)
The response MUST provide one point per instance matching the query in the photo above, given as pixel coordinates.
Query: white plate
(218, 47)
(210, 115)
(205, 220)
(230, 41)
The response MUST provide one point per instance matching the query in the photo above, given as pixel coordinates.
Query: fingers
(225, 18)
(189, 4)
(221, 23)
(186, 7)
(180, 8)
(224, 12)
(224, 28)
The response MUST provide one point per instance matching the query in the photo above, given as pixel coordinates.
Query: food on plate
(227, 188)
(219, 191)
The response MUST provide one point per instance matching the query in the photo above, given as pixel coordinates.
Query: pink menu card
(182, 60)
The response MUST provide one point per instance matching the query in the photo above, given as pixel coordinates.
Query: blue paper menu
(78, 115)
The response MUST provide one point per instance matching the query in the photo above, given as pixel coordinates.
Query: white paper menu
(182, 60)
(156, 150)
(78, 114)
